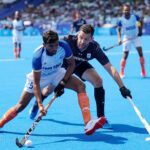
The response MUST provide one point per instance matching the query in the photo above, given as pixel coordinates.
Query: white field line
(3, 60)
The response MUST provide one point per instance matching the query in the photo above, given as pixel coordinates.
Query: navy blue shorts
(82, 68)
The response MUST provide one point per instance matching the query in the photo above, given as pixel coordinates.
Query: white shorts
(127, 45)
(17, 38)
(53, 79)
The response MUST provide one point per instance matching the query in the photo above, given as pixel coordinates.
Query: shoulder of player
(39, 50)
(64, 44)
(135, 16)
(94, 44)
(69, 38)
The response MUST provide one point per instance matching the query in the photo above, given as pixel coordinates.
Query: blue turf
(62, 128)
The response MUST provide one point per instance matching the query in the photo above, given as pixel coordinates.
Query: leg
(19, 50)
(48, 87)
(79, 87)
(123, 63)
(46, 91)
(12, 112)
(15, 50)
(92, 76)
(76, 85)
(142, 61)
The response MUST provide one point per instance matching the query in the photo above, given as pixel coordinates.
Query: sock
(9, 115)
(100, 100)
(122, 65)
(19, 50)
(36, 104)
(142, 62)
(15, 52)
(84, 104)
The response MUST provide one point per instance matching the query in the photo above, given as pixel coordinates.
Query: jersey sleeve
(100, 55)
(119, 23)
(23, 23)
(68, 51)
(137, 17)
(37, 60)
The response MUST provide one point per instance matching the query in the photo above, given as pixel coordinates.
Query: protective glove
(59, 90)
(125, 92)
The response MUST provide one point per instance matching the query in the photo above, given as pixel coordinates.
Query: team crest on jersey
(88, 55)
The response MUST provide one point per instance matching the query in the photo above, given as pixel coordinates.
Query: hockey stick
(106, 49)
(24, 139)
(145, 123)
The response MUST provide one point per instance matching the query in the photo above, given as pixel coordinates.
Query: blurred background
(40, 15)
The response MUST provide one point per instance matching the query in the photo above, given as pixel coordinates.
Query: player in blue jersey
(47, 72)
(129, 23)
(84, 48)
(78, 23)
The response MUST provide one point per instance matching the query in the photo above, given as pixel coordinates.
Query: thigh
(19, 38)
(127, 46)
(137, 42)
(48, 90)
(14, 39)
(93, 77)
(24, 101)
(75, 84)
(82, 68)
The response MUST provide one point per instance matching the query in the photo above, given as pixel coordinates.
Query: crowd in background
(98, 12)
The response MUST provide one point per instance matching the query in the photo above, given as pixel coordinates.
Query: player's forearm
(113, 72)
(119, 34)
(70, 70)
(117, 78)
(37, 93)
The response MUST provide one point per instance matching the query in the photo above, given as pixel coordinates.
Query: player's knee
(80, 88)
(47, 90)
(98, 82)
(19, 107)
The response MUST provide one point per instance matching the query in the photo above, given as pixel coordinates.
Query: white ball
(28, 143)
(147, 139)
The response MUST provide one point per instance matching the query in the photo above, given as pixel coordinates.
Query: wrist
(40, 105)
(64, 81)
(122, 87)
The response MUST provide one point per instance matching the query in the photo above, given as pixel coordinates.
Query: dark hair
(87, 28)
(50, 36)
(126, 5)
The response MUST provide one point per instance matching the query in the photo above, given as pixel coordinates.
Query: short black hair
(50, 37)
(126, 5)
(87, 28)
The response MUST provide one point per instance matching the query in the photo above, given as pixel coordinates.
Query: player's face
(126, 11)
(51, 48)
(17, 16)
(83, 40)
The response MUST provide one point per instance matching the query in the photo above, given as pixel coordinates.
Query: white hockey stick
(145, 123)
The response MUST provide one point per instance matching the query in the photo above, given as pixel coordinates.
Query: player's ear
(92, 38)
(44, 44)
